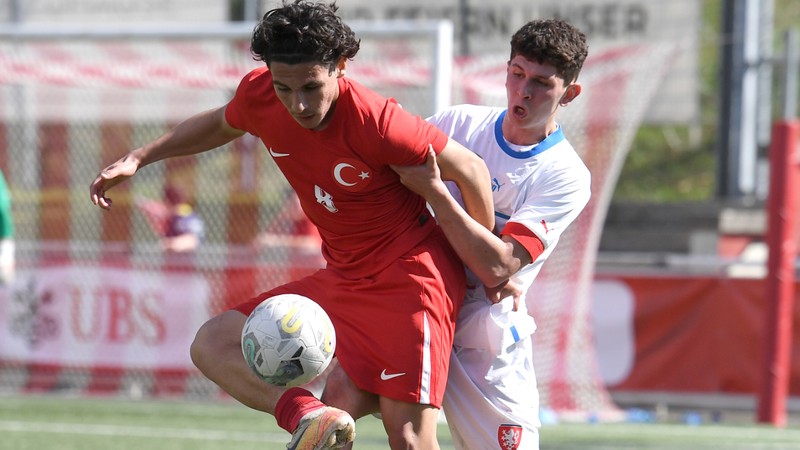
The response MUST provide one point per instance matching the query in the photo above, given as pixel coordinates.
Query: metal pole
(16, 11)
(792, 71)
(745, 182)
(725, 148)
(739, 91)
(251, 10)
(463, 25)
(781, 214)
(443, 66)
(766, 45)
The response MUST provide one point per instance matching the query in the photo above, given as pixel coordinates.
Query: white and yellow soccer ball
(288, 340)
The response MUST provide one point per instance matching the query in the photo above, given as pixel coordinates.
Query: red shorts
(394, 330)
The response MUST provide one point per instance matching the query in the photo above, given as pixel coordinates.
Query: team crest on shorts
(509, 436)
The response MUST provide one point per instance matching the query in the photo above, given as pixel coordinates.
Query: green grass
(48, 422)
(667, 437)
(45, 422)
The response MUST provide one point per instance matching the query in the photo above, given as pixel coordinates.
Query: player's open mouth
(519, 111)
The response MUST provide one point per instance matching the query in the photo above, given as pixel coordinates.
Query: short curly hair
(554, 42)
(301, 32)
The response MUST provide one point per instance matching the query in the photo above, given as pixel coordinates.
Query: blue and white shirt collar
(548, 142)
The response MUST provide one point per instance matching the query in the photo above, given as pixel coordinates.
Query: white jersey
(543, 187)
(491, 399)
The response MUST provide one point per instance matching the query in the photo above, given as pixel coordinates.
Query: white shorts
(491, 401)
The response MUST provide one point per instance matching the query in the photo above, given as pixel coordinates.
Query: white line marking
(154, 432)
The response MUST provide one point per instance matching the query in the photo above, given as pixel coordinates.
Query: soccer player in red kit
(392, 285)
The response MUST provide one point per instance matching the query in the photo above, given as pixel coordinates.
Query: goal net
(99, 307)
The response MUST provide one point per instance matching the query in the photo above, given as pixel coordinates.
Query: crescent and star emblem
(354, 175)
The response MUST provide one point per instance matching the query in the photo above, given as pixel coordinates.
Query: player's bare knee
(207, 342)
(405, 437)
(410, 426)
(199, 347)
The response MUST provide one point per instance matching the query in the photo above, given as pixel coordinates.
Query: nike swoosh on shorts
(275, 154)
(388, 376)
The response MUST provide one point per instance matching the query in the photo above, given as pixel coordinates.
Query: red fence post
(781, 240)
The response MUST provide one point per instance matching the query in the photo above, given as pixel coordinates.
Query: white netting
(97, 306)
(72, 106)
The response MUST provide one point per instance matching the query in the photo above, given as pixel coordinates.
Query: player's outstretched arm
(199, 133)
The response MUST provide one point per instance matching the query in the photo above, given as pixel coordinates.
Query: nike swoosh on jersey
(276, 154)
(388, 376)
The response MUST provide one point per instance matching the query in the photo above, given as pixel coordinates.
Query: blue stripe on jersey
(515, 333)
(548, 142)
(501, 215)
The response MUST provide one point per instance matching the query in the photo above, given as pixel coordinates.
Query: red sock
(293, 405)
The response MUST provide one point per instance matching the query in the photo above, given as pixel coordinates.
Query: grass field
(48, 422)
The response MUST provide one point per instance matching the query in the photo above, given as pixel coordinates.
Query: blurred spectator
(7, 259)
(184, 229)
(174, 219)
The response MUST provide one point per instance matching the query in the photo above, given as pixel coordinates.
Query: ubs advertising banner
(102, 317)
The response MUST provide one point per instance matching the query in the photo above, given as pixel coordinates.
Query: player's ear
(341, 67)
(573, 90)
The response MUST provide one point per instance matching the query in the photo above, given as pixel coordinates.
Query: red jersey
(341, 174)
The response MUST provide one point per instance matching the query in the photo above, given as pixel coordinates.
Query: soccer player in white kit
(539, 186)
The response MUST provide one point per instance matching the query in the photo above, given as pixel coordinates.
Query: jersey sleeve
(526, 237)
(444, 120)
(407, 136)
(235, 111)
(559, 199)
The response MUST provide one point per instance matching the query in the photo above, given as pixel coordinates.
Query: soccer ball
(288, 340)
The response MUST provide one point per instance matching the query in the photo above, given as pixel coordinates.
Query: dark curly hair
(301, 32)
(554, 42)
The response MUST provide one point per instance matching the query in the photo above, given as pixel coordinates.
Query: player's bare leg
(410, 425)
(342, 393)
(217, 352)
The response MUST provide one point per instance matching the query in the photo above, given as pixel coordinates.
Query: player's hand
(423, 179)
(503, 290)
(111, 176)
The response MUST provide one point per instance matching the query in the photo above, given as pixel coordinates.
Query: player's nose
(298, 104)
